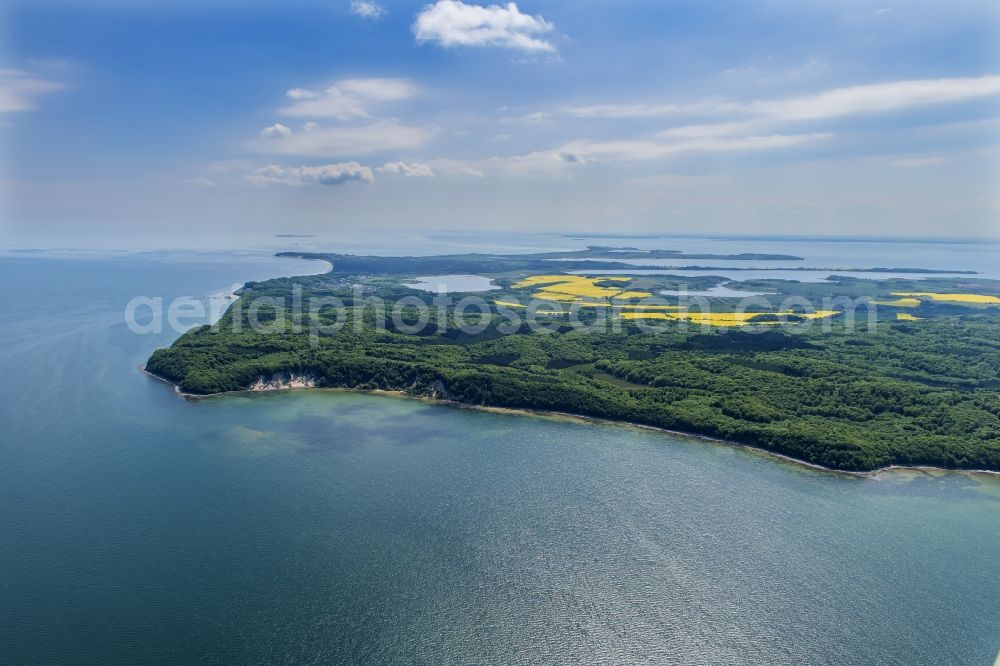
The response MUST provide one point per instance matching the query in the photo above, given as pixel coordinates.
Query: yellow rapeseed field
(981, 299)
(568, 298)
(534, 280)
(906, 316)
(632, 294)
(648, 315)
(909, 302)
(571, 288)
(555, 296)
(591, 304)
(724, 318)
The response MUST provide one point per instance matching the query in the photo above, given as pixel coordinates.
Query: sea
(323, 527)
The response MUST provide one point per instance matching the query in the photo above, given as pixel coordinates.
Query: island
(854, 375)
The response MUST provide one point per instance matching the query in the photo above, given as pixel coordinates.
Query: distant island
(920, 387)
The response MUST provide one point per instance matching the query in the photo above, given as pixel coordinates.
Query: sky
(199, 123)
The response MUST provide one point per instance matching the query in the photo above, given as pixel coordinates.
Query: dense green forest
(922, 392)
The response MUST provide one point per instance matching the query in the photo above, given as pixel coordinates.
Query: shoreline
(581, 418)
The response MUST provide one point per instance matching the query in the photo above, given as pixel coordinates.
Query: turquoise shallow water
(323, 527)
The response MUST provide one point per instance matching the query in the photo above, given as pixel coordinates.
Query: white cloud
(762, 125)
(536, 118)
(837, 102)
(326, 174)
(201, 182)
(705, 130)
(380, 89)
(19, 90)
(277, 129)
(547, 162)
(623, 110)
(564, 161)
(652, 148)
(454, 167)
(301, 93)
(711, 105)
(409, 169)
(227, 166)
(552, 163)
(454, 23)
(343, 140)
(365, 9)
(911, 162)
(879, 97)
(347, 99)
(768, 71)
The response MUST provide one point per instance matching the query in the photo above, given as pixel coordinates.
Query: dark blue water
(319, 527)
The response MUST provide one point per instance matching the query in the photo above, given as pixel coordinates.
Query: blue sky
(127, 122)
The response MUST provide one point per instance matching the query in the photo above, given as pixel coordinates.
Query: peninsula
(897, 371)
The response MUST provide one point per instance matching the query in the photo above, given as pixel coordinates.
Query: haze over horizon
(201, 124)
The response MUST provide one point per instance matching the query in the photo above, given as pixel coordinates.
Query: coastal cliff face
(284, 380)
(439, 391)
(504, 385)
